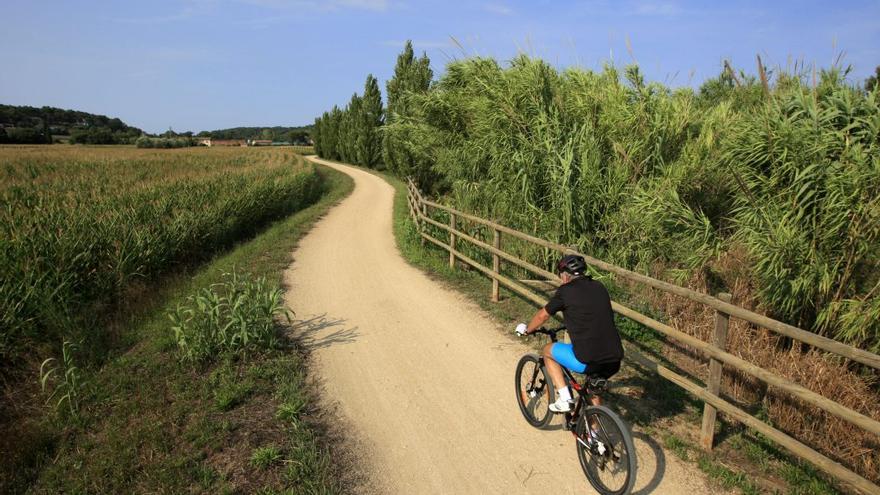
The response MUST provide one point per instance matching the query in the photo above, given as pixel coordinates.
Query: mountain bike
(604, 443)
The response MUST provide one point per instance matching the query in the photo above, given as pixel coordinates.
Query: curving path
(421, 376)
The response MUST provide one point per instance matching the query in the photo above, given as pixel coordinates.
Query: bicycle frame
(603, 439)
(586, 392)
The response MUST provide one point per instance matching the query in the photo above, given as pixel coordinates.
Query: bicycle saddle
(596, 384)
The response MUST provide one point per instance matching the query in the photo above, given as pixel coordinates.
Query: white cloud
(661, 9)
(497, 8)
(181, 16)
(378, 5)
(327, 5)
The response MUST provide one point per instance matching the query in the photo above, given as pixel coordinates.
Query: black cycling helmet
(572, 264)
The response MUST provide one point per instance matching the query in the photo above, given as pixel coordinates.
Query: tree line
(31, 125)
(358, 132)
(293, 135)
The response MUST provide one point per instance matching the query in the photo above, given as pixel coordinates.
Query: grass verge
(242, 424)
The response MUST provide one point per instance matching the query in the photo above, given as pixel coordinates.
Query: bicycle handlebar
(551, 332)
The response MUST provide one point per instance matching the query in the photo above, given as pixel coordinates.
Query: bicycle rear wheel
(534, 391)
(609, 458)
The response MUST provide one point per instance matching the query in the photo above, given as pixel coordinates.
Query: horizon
(201, 65)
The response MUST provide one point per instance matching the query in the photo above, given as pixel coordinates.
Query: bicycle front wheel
(606, 451)
(533, 391)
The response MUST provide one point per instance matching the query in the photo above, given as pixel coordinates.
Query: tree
(348, 131)
(297, 137)
(411, 77)
(93, 135)
(370, 119)
(24, 135)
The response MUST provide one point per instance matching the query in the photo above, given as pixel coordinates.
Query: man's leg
(554, 369)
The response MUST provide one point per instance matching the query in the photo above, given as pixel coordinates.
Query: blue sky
(208, 64)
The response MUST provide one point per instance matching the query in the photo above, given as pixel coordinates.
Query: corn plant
(237, 315)
(79, 227)
(63, 383)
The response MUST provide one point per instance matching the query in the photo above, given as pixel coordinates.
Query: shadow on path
(320, 331)
(655, 465)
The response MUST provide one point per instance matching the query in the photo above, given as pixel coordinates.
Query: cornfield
(81, 228)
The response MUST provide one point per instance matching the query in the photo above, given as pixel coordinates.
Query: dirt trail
(423, 377)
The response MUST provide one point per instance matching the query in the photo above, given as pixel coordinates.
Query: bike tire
(616, 439)
(534, 391)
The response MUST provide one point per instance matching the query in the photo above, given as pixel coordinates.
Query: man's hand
(522, 329)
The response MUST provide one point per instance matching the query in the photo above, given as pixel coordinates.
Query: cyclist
(595, 343)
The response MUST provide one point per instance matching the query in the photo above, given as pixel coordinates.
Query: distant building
(260, 142)
(220, 142)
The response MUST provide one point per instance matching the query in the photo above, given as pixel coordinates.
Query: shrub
(237, 315)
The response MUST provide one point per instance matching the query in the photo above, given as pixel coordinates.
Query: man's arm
(554, 305)
(538, 320)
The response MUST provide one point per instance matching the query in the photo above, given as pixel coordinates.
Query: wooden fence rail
(715, 351)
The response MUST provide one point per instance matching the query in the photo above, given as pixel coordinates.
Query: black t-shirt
(586, 307)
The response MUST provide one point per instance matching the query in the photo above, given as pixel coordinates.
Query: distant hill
(31, 125)
(294, 135)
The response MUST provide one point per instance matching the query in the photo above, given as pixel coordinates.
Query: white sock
(564, 394)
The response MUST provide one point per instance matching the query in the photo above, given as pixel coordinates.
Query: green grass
(154, 423)
(263, 457)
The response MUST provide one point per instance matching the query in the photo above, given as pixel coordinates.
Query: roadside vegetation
(742, 459)
(168, 372)
(765, 186)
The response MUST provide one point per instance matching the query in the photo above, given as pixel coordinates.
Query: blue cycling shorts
(564, 355)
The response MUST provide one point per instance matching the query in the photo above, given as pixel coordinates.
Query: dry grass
(820, 372)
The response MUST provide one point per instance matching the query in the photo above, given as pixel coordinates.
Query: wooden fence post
(451, 240)
(713, 385)
(424, 214)
(496, 263)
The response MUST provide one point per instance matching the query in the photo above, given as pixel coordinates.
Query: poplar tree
(412, 76)
(370, 119)
(318, 136)
(348, 131)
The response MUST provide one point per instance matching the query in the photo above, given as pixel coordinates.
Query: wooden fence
(715, 351)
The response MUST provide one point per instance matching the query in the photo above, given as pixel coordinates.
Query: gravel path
(423, 378)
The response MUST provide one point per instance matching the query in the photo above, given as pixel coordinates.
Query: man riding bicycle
(595, 346)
